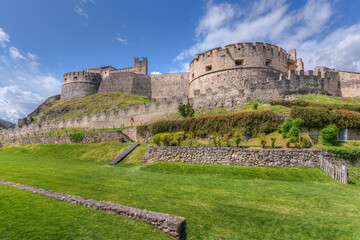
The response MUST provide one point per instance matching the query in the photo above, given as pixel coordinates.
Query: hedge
(248, 122)
(303, 103)
(317, 117)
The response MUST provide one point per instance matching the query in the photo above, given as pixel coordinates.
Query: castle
(219, 77)
(222, 77)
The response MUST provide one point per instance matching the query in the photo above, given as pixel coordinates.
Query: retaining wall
(240, 156)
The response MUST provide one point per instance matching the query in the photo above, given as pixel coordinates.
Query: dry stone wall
(240, 156)
(169, 224)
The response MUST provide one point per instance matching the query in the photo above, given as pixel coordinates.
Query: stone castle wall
(79, 84)
(131, 83)
(132, 116)
(240, 156)
(169, 85)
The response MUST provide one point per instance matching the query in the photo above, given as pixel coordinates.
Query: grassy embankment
(95, 103)
(229, 202)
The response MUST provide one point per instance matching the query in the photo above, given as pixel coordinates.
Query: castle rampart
(79, 84)
(169, 85)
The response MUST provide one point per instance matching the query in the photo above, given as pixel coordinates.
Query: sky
(40, 40)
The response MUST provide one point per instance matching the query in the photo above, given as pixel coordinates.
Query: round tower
(232, 66)
(79, 84)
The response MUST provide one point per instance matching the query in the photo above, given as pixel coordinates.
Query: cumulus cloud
(121, 40)
(23, 85)
(4, 38)
(308, 29)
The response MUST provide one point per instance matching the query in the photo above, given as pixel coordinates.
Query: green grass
(87, 105)
(26, 215)
(230, 202)
(65, 131)
(324, 99)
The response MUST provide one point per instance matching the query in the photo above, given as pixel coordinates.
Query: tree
(186, 110)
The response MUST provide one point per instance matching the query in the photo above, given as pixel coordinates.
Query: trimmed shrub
(285, 128)
(329, 134)
(76, 137)
(190, 137)
(305, 142)
(227, 139)
(156, 139)
(186, 110)
(177, 137)
(262, 138)
(255, 105)
(237, 138)
(166, 138)
(216, 139)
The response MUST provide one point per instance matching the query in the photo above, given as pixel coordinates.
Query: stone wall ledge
(170, 224)
(240, 156)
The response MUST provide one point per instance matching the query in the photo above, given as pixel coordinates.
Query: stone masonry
(240, 156)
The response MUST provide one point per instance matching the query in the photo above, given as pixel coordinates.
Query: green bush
(227, 139)
(76, 137)
(349, 154)
(262, 138)
(288, 142)
(156, 139)
(177, 137)
(305, 142)
(329, 134)
(248, 122)
(190, 138)
(237, 138)
(273, 140)
(285, 128)
(255, 105)
(166, 138)
(216, 139)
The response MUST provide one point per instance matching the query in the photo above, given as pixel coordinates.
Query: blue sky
(41, 39)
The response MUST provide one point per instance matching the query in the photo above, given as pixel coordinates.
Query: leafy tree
(273, 140)
(237, 138)
(262, 138)
(186, 110)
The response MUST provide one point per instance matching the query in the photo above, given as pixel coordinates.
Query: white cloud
(15, 103)
(4, 38)
(308, 29)
(23, 85)
(79, 7)
(152, 73)
(32, 56)
(122, 40)
(15, 54)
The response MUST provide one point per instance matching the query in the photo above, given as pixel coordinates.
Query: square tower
(141, 67)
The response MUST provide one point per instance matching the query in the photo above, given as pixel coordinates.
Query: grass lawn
(26, 215)
(324, 99)
(228, 202)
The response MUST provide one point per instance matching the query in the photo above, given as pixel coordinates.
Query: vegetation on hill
(267, 202)
(57, 110)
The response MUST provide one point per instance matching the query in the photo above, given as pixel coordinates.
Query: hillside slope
(57, 110)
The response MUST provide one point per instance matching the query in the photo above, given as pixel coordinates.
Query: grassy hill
(230, 202)
(98, 102)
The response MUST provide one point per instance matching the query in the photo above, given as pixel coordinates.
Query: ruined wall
(240, 156)
(133, 116)
(79, 84)
(127, 82)
(169, 85)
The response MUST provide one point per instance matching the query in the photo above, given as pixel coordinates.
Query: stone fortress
(222, 77)
(259, 71)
